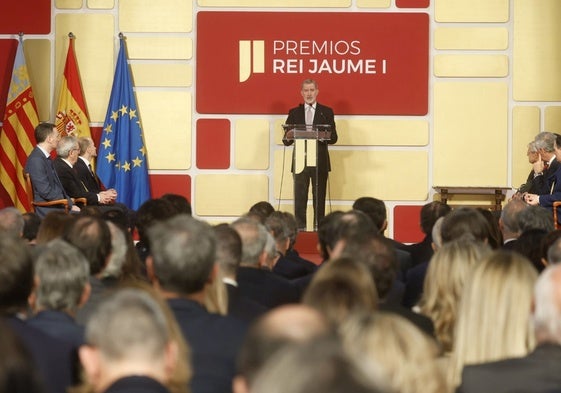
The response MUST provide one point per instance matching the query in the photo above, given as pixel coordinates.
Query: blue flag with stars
(122, 155)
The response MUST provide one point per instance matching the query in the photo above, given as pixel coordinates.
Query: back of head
(510, 215)
(92, 237)
(53, 225)
(529, 244)
(554, 252)
(183, 251)
(228, 249)
(128, 326)
(63, 273)
(262, 210)
(373, 208)
(535, 217)
(16, 274)
(179, 203)
(31, 225)
(254, 240)
(320, 366)
(430, 213)
(467, 223)
(340, 288)
(495, 239)
(391, 348)
(277, 226)
(327, 233)
(151, 212)
(11, 221)
(547, 306)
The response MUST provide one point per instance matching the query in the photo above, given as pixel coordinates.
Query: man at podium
(310, 156)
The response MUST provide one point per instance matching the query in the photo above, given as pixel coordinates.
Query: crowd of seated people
(170, 303)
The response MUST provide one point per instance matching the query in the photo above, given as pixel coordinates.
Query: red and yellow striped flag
(17, 134)
(72, 115)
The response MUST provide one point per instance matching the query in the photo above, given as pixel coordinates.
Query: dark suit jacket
(420, 252)
(46, 186)
(72, 183)
(292, 266)
(53, 357)
(323, 115)
(85, 176)
(265, 287)
(60, 325)
(541, 184)
(215, 341)
(552, 192)
(242, 307)
(538, 372)
(136, 384)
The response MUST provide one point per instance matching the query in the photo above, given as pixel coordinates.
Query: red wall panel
(406, 224)
(26, 16)
(170, 184)
(213, 144)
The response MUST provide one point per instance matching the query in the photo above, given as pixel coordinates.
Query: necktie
(309, 115)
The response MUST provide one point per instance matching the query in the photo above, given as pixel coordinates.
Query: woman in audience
(444, 282)
(341, 287)
(390, 348)
(494, 314)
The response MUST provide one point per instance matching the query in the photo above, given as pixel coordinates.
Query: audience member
(123, 263)
(149, 213)
(61, 288)
(509, 222)
(546, 243)
(261, 211)
(467, 223)
(11, 221)
(534, 217)
(540, 370)
(529, 187)
(257, 283)
(53, 226)
(179, 202)
(554, 252)
(391, 349)
(495, 239)
(182, 266)
(130, 348)
(31, 225)
(492, 322)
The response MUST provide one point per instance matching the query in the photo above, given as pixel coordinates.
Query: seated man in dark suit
(68, 151)
(52, 357)
(46, 184)
(182, 267)
(130, 347)
(254, 281)
(62, 286)
(540, 370)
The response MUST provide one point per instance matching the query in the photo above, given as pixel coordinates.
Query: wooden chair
(54, 203)
(555, 206)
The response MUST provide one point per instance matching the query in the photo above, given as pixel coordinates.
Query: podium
(307, 165)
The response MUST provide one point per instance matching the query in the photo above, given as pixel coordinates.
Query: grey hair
(11, 221)
(535, 217)
(546, 141)
(118, 252)
(127, 325)
(270, 247)
(547, 306)
(66, 145)
(510, 215)
(532, 148)
(437, 232)
(254, 239)
(554, 252)
(63, 272)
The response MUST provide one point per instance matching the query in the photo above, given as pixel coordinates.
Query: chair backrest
(29, 190)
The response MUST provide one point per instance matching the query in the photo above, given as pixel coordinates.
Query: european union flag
(122, 155)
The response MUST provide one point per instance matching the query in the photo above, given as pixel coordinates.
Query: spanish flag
(72, 115)
(17, 134)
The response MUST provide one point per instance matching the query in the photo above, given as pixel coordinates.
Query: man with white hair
(540, 370)
(129, 348)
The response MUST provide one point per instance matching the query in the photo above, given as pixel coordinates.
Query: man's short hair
(510, 215)
(228, 248)
(31, 225)
(179, 203)
(545, 141)
(183, 250)
(465, 223)
(16, 274)
(373, 208)
(128, 324)
(11, 221)
(66, 145)
(63, 272)
(254, 239)
(430, 213)
(535, 217)
(92, 237)
(42, 131)
(84, 143)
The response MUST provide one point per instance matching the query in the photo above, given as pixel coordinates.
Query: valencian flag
(122, 155)
(72, 115)
(17, 135)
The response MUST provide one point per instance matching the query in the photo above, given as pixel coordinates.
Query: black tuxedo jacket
(72, 184)
(86, 177)
(538, 372)
(323, 115)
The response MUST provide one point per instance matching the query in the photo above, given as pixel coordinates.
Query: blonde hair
(494, 314)
(341, 287)
(388, 347)
(444, 282)
(216, 295)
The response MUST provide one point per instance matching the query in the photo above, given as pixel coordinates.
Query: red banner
(364, 63)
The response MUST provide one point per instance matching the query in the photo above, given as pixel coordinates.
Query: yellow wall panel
(36, 51)
(228, 194)
(471, 38)
(251, 144)
(470, 134)
(95, 51)
(525, 126)
(156, 16)
(360, 132)
(471, 10)
(476, 66)
(101, 4)
(162, 74)
(386, 175)
(166, 120)
(537, 54)
(553, 119)
(167, 48)
(274, 3)
(68, 4)
(373, 3)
